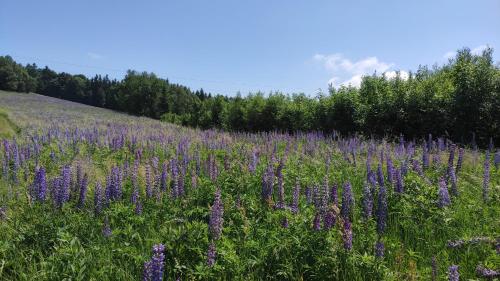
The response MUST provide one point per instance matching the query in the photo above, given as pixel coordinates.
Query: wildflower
(334, 194)
(367, 201)
(164, 175)
(444, 197)
(486, 273)
(347, 201)
(328, 220)
(486, 177)
(399, 187)
(40, 185)
(379, 249)
(347, 235)
(153, 269)
(216, 216)
(284, 222)
(453, 181)
(434, 272)
(381, 210)
(83, 191)
(380, 175)
(281, 190)
(3, 213)
(317, 222)
(453, 274)
(211, 254)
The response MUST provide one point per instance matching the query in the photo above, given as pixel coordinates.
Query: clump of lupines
(453, 274)
(153, 269)
(367, 201)
(380, 175)
(486, 176)
(328, 220)
(216, 216)
(347, 201)
(444, 196)
(381, 210)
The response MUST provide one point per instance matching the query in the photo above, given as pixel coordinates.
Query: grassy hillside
(91, 194)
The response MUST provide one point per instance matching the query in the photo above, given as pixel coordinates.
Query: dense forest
(459, 100)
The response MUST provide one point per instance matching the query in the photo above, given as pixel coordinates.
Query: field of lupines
(91, 194)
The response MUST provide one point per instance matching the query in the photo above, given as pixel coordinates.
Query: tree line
(459, 100)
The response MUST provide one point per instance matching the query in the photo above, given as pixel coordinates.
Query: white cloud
(340, 66)
(392, 74)
(94, 56)
(479, 50)
(449, 55)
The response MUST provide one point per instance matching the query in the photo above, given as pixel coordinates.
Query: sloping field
(91, 194)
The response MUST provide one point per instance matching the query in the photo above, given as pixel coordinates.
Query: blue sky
(229, 46)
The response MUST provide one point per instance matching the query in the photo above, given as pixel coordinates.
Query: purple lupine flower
(328, 220)
(267, 184)
(486, 176)
(317, 222)
(425, 157)
(486, 273)
(157, 262)
(211, 254)
(76, 185)
(108, 189)
(381, 210)
(453, 181)
(399, 187)
(347, 235)
(444, 196)
(436, 159)
(434, 272)
(308, 191)
(295, 199)
(40, 184)
(138, 207)
(380, 175)
(106, 229)
(334, 195)
(66, 183)
(281, 189)
(153, 269)
(379, 249)
(460, 160)
(164, 175)
(367, 201)
(347, 201)
(284, 222)
(98, 200)
(83, 191)
(417, 168)
(453, 274)
(216, 216)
